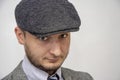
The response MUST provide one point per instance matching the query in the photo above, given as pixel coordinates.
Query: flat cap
(46, 17)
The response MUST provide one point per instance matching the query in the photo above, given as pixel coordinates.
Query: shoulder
(16, 74)
(76, 75)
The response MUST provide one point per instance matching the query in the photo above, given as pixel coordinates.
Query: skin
(47, 53)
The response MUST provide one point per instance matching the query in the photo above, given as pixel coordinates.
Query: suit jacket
(18, 74)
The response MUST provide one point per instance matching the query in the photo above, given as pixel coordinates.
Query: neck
(51, 72)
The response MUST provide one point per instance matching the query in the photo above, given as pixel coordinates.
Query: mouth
(52, 60)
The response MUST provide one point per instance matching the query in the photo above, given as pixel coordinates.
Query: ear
(20, 35)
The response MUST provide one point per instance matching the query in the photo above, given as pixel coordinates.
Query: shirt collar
(33, 73)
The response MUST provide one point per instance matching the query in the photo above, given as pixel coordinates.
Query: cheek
(66, 43)
(65, 46)
(35, 50)
(35, 53)
(38, 50)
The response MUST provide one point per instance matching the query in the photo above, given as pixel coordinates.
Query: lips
(52, 60)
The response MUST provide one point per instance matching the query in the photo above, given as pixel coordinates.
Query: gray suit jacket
(18, 74)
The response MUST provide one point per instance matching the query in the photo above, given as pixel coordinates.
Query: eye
(43, 38)
(64, 35)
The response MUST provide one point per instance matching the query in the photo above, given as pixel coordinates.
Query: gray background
(94, 49)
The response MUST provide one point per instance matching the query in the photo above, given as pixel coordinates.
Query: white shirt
(33, 73)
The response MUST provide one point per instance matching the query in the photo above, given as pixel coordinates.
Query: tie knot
(53, 77)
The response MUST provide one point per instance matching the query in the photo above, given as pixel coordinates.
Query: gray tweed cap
(47, 17)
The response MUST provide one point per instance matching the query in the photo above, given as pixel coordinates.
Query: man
(43, 29)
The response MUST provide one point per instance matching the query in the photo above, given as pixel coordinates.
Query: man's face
(47, 53)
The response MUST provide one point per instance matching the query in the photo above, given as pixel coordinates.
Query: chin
(52, 67)
(49, 67)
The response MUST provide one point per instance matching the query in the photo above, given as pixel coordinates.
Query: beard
(47, 68)
(50, 68)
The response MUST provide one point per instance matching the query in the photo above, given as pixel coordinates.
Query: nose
(55, 48)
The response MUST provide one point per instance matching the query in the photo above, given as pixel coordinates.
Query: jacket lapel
(19, 73)
(65, 74)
